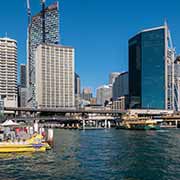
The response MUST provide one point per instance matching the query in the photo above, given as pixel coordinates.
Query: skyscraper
(54, 70)
(103, 94)
(23, 75)
(43, 28)
(113, 76)
(8, 72)
(151, 69)
(120, 86)
(177, 83)
(77, 85)
(87, 94)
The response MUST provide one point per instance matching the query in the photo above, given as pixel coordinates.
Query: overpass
(65, 110)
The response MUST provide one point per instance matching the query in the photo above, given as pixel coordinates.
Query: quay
(71, 118)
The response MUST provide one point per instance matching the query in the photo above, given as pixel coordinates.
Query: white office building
(8, 72)
(103, 94)
(54, 76)
(113, 76)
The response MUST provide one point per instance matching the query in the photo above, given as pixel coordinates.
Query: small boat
(14, 138)
(33, 144)
(11, 148)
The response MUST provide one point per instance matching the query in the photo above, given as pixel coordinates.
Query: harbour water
(100, 155)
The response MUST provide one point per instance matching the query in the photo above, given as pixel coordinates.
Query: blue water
(100, 155)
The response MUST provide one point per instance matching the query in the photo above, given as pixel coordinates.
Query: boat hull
(13, 148)
(139, 127)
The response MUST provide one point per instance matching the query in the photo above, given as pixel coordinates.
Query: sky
(98, 30)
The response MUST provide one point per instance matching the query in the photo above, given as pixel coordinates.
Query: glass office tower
(40, 33)
(151, 69)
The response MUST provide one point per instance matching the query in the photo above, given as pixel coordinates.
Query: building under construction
(42, 28)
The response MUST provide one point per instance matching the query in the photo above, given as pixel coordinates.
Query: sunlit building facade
(54, 76)
(103, 94)
(8, 72)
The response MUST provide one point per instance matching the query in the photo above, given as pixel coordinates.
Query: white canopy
(9, 123)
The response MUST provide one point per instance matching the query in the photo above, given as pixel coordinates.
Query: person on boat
(12, 134)
(1, 134)
(7, 133)
(35, 139)
(22, 135)
(17, 130)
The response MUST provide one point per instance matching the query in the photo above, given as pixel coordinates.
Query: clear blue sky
(98, 29)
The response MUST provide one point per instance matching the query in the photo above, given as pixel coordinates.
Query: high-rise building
(103, 94)
(77, 85)
(87, 94)
(177, 83)
(22, 99)
(22, 89)
(23, 75)
(151, 69)
(8, 72)
(120, 86)
(43, 28)
(1, 108)
(54, 72)
(113, 76)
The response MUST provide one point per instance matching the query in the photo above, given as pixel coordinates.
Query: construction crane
(29, 11)
(43, 21)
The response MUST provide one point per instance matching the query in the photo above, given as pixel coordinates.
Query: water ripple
(100, 155)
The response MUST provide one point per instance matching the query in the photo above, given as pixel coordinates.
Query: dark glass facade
(147, 69)
(153, 69)
(120, 86)
(135, 71)
(23, 75)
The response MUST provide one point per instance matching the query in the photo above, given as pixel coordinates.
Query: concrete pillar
(36, 128)
(176, 124)
(105, 123)
(109, 124)
(50, 136)
(83, 124)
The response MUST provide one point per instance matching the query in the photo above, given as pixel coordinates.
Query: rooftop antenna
(6, 34)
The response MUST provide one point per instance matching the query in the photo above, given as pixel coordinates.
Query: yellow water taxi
(33, 144)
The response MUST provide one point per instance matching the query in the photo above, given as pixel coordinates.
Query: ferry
(133, 122)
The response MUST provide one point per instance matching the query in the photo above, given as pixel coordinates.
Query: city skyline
(97, 37)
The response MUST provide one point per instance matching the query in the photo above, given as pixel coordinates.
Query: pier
(71, 118)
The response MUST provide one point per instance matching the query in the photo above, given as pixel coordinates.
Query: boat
(17, 148)
(14, 138)
(133, 122)
(33, 144)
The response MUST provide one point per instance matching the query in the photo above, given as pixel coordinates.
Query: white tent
(9, 123)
